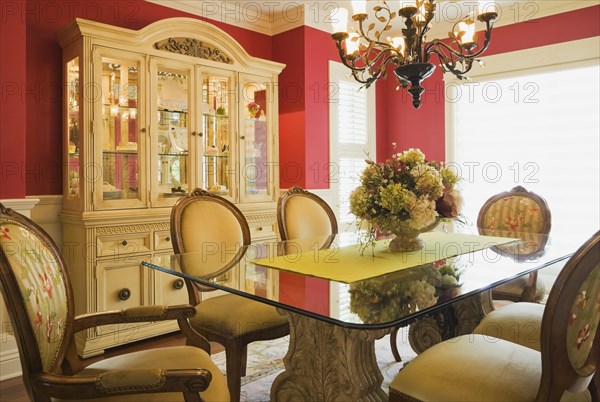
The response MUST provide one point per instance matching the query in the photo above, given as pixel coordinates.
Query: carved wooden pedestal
(459, 318)
(326, 362)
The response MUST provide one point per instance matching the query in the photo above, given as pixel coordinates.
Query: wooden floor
(13, 390)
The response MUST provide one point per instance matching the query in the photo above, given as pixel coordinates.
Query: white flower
(422, 213)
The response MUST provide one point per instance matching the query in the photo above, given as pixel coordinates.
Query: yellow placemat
(346, 265)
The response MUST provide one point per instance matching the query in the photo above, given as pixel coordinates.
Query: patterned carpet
(265, 363)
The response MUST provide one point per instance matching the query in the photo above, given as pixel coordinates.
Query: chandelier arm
(424, 29)
(450, 64)
(367, 37)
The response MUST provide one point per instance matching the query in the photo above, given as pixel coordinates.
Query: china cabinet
(148, 116)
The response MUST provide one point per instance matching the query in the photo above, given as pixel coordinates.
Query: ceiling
(273, 17)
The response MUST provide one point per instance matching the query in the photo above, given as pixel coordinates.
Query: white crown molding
(266, 17)
(274, 17)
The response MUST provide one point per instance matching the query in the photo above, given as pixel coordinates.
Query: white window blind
(352, 138)
(352, 114)
(538, 129)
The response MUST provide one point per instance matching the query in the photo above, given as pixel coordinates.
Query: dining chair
(526, 215)
(202, 222)
(482, 368)
(36, 287)
(302, 214)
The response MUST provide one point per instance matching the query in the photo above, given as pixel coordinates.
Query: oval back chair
(526, 215)
(302, 214)
(35, 283)
(466, 368)
(206, 223)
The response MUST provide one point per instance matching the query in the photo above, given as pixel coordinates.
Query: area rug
(265, 362)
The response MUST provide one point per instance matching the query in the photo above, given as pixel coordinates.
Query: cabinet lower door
(169, 290)
(122, 284)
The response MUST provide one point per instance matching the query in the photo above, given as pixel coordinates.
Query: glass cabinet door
(171, 132)
(256, 146)
(73, 96)
(217, 128)
(121, 132)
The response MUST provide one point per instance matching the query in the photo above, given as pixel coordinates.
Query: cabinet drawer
(162, 240)
(262, 231)
(121, 285)
(123, 245)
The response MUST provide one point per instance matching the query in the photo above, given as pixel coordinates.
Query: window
(352, 137)
(536, 127)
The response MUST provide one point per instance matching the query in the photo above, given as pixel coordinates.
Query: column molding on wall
(10, 365)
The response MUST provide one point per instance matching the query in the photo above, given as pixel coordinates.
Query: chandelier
(369, 49)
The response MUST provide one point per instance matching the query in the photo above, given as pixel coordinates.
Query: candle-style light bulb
(420, 17)
(466, 32)
(339, 20)
(359, 7)
(352, 44)
(398, 43)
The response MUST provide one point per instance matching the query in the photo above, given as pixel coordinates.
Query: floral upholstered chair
(467, 368)
(302, 214)
(525, 215)
(37, 290)
(199, 222)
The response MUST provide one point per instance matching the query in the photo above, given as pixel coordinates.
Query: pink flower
(449, 204)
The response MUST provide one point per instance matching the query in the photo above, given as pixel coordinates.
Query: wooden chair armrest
(181, 313)
(134, 314)
(122, 382)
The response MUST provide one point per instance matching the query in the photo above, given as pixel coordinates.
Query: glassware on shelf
(120, 133)
(216, 133)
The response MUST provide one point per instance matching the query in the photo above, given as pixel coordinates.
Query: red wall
(304, 106)
(12, 103)
(424, 128)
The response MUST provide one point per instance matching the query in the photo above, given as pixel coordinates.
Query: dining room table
(340, 295)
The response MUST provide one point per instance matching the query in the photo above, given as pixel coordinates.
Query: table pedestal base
(459, 318)
(326, 362)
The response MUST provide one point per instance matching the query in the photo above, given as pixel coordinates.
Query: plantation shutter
(352, 143)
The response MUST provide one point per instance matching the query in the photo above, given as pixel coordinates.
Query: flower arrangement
(405, 195)
(393, 296)
(253, 109)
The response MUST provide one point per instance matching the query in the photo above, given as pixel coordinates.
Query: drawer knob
(178, 284)
(259, 228)
(124, 294)
(167, 238)
(124, 242)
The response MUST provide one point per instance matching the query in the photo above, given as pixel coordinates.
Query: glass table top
(380, 302)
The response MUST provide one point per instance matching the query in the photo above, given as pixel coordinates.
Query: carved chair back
(517, 213)
(570, 340)
(302, 214)
(37, 292)
(207, 223)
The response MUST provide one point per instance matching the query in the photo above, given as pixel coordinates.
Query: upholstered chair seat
(235, 316)
(517, 322)
(475, 368)
(559, 363)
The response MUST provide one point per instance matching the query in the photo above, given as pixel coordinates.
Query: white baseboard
(10, 364)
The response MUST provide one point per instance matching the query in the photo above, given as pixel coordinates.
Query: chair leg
(394, 345)
(233, 358)
(243, 361)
